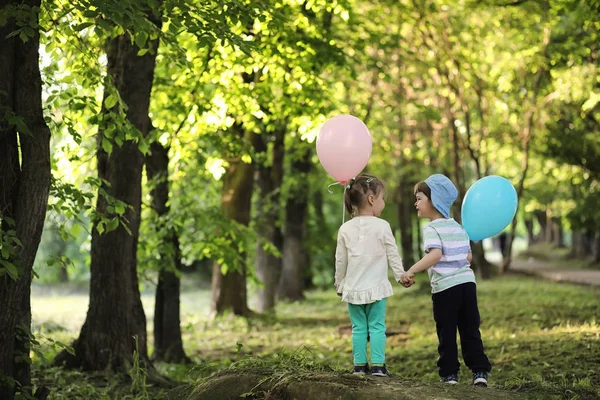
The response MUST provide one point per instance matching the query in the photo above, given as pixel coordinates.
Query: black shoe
(480, 379)
(380, 370)
(361, 369)
(451, 379)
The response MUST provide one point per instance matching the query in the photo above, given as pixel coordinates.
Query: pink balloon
(344, 146)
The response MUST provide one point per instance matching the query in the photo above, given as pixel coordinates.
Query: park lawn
(542, 338)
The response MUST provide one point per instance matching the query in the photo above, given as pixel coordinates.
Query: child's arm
(341, 261)
(394, 259)
(426, 262)
(433, 248)
(470, 257)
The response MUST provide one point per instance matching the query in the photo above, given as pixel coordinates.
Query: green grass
(543, 339)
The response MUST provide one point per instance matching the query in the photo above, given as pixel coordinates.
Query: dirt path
(557, 271)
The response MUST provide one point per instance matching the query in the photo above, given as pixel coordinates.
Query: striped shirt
(453, 268)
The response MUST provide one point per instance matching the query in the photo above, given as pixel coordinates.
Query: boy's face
(424, 206)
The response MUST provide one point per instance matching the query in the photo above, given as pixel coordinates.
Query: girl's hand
(407, 279)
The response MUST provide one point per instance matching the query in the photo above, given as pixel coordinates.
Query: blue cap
(443, 193)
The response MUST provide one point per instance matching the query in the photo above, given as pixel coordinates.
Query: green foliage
(9, 248)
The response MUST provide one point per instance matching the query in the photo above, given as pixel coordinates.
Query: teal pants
(368, 320)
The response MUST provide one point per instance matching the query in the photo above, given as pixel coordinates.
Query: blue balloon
(488, 207)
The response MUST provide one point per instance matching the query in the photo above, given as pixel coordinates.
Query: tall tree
(294, 263)
(229, 290)
(24, 185)
(269, 179)
(168, 345)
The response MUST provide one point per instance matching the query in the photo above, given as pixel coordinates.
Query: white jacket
(365, 249)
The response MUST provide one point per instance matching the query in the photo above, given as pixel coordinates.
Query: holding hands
(407, 279)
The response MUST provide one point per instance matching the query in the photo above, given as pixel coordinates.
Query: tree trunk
(597, 253)
(229, 280)
(530, 235)
(168, 346)
(404, 201)
(558, 232)
(542, 221)
(588, 240)
(115, 325)
(268, 265)
(24, 186)
(577, 248)
(481, 265)
(293, 277)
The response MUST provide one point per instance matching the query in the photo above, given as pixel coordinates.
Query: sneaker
(380, 370)
(480, 379)
(361, 369)
(451, 379)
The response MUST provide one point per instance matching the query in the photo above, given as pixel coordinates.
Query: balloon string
(343, 208)
(333, 184)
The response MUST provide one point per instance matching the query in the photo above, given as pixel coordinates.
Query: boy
(448, 261)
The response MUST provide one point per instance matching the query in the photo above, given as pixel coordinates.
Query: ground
(543, 339)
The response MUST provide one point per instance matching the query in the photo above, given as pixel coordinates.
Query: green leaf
(110, 101)
(112, 225)
(64, 235)
(120, 209)
(143, 146)
(82, 26)
(140, 39)
(107, 145)
(12, 270)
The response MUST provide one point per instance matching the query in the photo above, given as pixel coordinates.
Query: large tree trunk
(293, 278)
(269, 179)
(168, 345)
(23, 194)
(115, 325)
(229, 282)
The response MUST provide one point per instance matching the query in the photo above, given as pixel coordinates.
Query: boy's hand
(407, 280)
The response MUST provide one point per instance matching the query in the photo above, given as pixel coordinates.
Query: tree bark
(530, 235)
(168, 345)
(405, 208)
(587, 243)
(24, 189)
(229, 287)
(269, 179)
(115, 325)
(542, 221)
(558, 232)
(293, 277)
(597, 253)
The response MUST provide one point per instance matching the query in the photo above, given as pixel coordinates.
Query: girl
(448, 261)
(365, 249)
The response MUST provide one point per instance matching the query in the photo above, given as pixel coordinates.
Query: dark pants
(452, 308)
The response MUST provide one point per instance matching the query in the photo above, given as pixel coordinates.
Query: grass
(543, 339)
